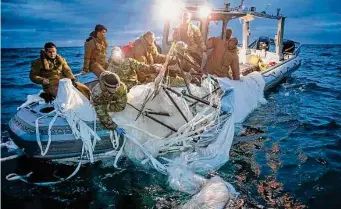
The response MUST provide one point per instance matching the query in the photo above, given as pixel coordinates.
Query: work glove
(120, 131)
(47, 97)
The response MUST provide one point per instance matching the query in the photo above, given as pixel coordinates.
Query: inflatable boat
(34, 118)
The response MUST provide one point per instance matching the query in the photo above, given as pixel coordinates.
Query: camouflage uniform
(145, 53)
(191, 35)
(53, 70)
(184, 60)
(178, 81)
(132, 72)
(105, 101)
(95, 50)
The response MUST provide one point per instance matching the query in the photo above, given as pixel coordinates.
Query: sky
(31, 23)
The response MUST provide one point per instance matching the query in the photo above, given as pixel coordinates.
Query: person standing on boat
(145, 51)
(49, 69)
(191, 35)
(108, 95)
(95, 49)
(223, 57)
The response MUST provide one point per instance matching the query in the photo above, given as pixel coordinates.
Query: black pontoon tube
(158, 113)
(154, 119)
(176, 105)
(190, 96)
(191, 105)
(198, 99)
(144, 104)
(160, 122)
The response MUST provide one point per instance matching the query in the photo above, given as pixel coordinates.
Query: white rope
(119, 153)
(12, 157)
(156, 164)
(14, 176)
(38, 134)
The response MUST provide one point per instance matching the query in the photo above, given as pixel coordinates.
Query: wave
(19, 64)
(12, 56)
(26, 85)
(310, 87)
(332, 125)
(326, 54)
(31, 56)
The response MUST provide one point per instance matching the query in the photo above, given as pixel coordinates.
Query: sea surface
(292, 160)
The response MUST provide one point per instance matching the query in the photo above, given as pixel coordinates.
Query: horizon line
(36, 47)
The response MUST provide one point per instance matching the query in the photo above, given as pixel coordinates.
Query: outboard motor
(288, 47)
(263, 43)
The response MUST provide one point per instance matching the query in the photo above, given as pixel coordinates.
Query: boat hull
(273, 76)
(64, 145)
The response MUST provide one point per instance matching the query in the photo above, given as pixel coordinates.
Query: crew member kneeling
(109, 95)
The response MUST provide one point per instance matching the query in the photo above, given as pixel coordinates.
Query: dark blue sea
(291, 159)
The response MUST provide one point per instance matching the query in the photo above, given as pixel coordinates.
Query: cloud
(30, 22)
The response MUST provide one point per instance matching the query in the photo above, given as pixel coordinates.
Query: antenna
(278, 10)
(227, 5)
(267, 6)
(238, 8)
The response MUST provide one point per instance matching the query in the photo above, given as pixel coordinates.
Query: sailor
(49, 69)
(131, 71)
(223, 57)
(95, 49)
(109, 95)
(145, 51)
(186, 61)
(191, 35)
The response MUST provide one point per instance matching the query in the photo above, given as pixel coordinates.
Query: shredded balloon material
(197, 147)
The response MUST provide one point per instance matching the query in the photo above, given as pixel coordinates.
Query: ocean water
(292, 159)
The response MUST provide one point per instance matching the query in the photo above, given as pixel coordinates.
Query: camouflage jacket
(191, 35)
(145, 53)
(132, 72)
(95, 50)
(53, 70)
(105, 102)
